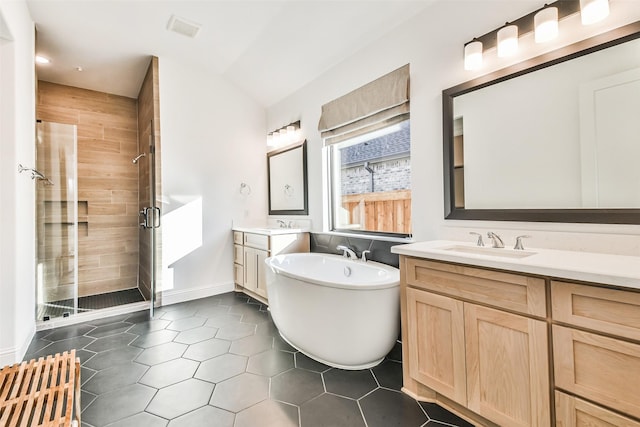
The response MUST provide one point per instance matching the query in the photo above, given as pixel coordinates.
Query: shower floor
(89, 303)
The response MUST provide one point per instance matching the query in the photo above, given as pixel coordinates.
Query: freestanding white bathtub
(341, 312)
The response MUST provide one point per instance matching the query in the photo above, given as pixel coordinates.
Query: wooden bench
(41, 392)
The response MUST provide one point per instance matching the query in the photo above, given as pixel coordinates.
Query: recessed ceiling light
(78, 68)
(42, 60)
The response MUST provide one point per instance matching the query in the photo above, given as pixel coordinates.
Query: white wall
(17, 192)
(213, 139)
(432, 43)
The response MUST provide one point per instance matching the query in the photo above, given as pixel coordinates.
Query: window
(366, 135)
(370, 181)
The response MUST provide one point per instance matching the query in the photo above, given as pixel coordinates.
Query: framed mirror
(552, 139)
(287, 171)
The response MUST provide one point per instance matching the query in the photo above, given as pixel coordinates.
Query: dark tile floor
(219, 361)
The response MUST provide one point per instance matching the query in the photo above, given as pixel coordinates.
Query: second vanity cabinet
(473, 337)
(596, 349)
(512, 349)
(251, 249)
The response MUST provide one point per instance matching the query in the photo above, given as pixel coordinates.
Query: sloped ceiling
(267, 48)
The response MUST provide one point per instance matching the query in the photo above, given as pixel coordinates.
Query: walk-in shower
(88, 251)
(98, 150)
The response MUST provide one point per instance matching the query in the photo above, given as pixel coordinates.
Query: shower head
(135, 159)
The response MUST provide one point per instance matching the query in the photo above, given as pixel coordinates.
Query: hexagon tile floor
(219, 361)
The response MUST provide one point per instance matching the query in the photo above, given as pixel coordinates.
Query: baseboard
(12, 355)
(8, 356)
(175, 296)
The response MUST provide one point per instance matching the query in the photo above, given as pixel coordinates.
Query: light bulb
(507, 41)
(546, 24)
(592, 11)
(473, 55)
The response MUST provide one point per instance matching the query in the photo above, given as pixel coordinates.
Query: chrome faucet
(347, 252)
(364, 255)
(479, 242)
(282, 224)
(518, 246)
(495, 239)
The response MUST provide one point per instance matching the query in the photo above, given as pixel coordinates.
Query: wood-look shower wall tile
(89, 131)
(96, 196)
(92, 145)
(109, 260)
(107, 181)
(127, 196)
(108, 209)
(51, 113)
(102, 183)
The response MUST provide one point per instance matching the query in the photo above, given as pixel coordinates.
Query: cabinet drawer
(238, 254)
(574, 412)
(258, 241)
(515, 292)
(601, 369)
(238, 238)
(611, 311)
(238, 274)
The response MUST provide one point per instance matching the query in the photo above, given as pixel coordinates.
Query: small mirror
(287, 170)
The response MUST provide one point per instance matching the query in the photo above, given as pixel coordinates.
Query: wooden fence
(388, 211)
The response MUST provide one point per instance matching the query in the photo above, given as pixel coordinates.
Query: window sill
(372, 236)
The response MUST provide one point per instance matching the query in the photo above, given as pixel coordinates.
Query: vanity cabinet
(513, 349)
(597, 349)
(473, 338)
(251, 250)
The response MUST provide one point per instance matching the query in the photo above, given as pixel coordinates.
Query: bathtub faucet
(347, 252)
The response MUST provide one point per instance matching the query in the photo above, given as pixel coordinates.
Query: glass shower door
(58, 220)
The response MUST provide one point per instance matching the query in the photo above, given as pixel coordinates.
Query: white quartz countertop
(617, 270)
(270, 231)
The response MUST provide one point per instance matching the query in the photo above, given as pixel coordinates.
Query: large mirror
(287, 170)
(555, 139)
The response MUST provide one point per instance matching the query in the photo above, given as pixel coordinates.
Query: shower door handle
(156, 217)
(150, 217)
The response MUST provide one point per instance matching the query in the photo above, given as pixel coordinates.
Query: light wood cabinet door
(574, 412)
(254, 271)
(250, 269)
(436, 343)
(261, 274)
(507, 367)
(601, 369)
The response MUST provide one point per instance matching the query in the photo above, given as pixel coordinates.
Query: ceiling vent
(183, 26)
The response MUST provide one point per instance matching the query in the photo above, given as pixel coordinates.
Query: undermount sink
(277, 230)
(495, 252)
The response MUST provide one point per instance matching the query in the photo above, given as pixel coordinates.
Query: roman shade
(377, 104)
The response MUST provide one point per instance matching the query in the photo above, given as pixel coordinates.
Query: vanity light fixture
(507, 40)
(285, 135)
(473, 55)
(545, 24)
(592, 11)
